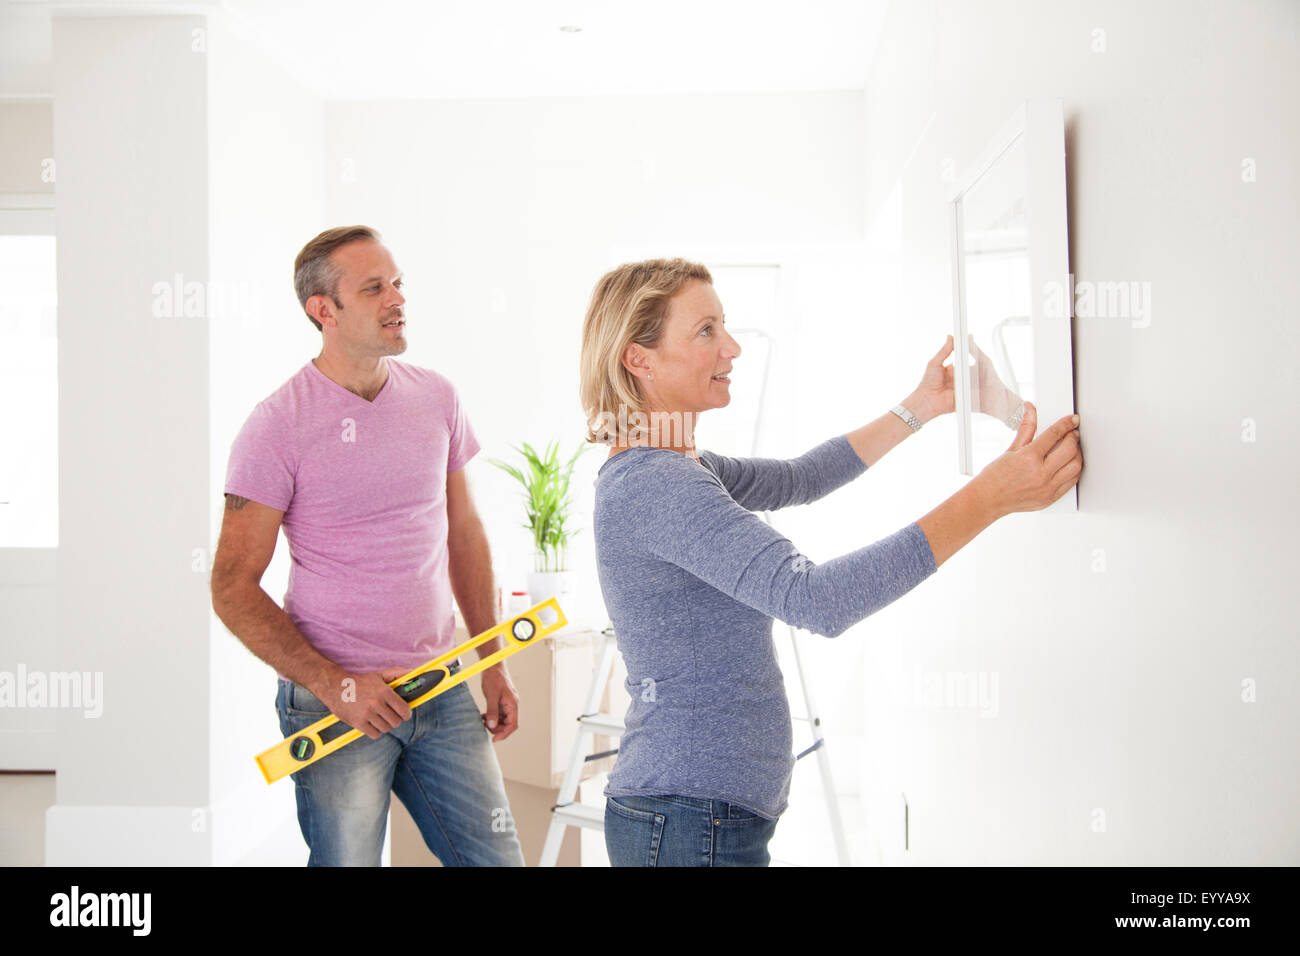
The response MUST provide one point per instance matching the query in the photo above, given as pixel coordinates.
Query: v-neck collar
(383, 390)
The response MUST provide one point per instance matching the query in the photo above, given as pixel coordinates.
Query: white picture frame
(1038, 126)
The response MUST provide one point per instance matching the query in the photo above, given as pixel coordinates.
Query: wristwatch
(913, 422)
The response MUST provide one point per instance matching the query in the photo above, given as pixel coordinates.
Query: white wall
(183, 152)
(28, 736)
(1120, 691)
(266, 200)
(504, 213)
(130, 137)
(28, 138)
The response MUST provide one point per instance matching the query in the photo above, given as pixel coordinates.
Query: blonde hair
(629, 305)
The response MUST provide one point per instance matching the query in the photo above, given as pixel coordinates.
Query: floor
(803, 838)
(24, 798)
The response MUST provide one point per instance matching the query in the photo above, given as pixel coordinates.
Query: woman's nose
(733, 347)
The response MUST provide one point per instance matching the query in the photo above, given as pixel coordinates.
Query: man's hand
(502, 717)
(366, 702)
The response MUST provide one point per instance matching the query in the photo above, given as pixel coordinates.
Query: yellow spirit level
(422, 684)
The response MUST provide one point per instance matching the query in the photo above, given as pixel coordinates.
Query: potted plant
(547, 502)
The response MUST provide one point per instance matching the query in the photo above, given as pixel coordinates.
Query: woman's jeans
(673, 830)
(439, 763)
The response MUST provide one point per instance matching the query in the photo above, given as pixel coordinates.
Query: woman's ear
(634, 360)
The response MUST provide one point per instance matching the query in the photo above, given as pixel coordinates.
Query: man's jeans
(440, 764)
(671, 830)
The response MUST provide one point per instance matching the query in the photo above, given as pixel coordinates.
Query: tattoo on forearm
(234, 502)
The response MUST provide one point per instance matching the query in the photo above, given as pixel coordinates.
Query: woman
(693, 579)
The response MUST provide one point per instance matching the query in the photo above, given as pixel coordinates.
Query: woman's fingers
(1028, 425)
(1025, 433)
(1065, 486)
(1047, 439)
(1062, 453)
(1069, 471)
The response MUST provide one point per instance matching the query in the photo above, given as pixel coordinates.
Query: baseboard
(127, 836)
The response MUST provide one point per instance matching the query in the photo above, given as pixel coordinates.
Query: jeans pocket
(302, 704)
(632, 836)
(744, 821)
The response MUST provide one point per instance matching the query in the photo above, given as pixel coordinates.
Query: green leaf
(546, 484)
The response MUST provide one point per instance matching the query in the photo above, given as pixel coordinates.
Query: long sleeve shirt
(692, 580)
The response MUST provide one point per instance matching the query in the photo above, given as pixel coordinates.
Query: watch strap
(912, 421)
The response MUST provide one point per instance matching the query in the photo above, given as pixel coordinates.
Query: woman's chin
(718, 397)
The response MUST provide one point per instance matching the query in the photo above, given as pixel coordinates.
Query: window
(29, 388)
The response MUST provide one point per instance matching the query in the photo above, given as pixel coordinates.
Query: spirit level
(422, 684)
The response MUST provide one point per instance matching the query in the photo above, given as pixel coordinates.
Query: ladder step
(606, 724)
(581, 815)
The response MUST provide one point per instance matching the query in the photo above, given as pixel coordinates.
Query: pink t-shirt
(363, 488)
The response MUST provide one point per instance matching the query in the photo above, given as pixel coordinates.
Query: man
(360, 457)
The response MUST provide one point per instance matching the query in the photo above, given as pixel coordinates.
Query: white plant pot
(543, 585)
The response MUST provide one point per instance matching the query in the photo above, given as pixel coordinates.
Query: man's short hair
(315, 273)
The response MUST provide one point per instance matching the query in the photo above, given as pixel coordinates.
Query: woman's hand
(989, 393)
(935, 395)
(1031, 474)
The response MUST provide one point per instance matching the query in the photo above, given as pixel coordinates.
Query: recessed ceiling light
(570, 29)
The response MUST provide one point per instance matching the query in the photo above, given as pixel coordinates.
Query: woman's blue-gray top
(692, 579)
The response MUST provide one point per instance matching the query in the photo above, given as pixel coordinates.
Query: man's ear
(321, 308)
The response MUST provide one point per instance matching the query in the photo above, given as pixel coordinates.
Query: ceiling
(387, 49)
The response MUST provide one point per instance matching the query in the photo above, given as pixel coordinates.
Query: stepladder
(591, 723)
(568, 812)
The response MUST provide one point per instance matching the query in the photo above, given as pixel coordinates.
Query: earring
(650, 377)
